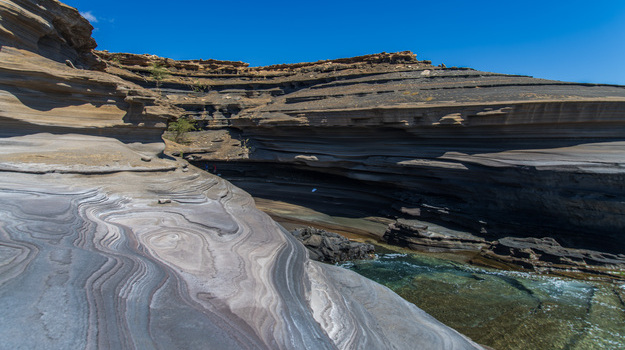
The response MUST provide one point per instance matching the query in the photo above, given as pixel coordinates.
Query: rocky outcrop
(107, 243)
(498, 155)
(547, 255)
(414, 235)
(331, 247)
(44, 46)
(143, 64)
(51, 29)
(544, 254)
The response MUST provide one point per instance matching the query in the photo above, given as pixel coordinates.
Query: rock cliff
(492, 154)
(105, 242)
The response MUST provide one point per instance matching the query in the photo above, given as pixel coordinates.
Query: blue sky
(582, 41)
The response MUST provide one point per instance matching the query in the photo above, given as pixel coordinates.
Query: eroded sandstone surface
(107, 243)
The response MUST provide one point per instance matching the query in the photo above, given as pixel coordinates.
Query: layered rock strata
(548, 255)
(106, 243)
(418, 236)
(497, 155)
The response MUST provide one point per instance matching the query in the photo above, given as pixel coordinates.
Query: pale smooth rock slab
(96, 262)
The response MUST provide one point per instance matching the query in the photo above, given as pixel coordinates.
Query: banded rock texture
(99, 264)
(43, 46)
(91, 257)
(495, 155)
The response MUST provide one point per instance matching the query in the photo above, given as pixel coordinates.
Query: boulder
(331, 247)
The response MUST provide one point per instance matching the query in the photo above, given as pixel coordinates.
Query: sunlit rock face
(106, 243)
(46, 51)
(50, 29)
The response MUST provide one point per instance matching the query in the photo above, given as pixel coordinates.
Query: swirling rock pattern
(100, 264)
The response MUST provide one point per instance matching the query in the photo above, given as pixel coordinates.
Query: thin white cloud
(89, 16)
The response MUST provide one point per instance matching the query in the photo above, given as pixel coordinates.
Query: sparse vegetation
(408, 93)
(181, 127)
(245, 143)
(198, 86)
(158, 73)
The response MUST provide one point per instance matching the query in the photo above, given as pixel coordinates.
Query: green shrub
(180, 127)
(158, 73)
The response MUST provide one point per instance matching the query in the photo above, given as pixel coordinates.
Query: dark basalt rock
(331, 247)
(536, 253)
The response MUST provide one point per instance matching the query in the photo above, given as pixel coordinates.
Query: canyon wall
(107, 243)
(497, 155)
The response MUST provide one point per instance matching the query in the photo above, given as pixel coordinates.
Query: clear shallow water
(504, 309)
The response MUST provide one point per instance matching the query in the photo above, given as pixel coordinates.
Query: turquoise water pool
(505, 309)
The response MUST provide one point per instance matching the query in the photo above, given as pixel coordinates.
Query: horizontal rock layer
(499, 155)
